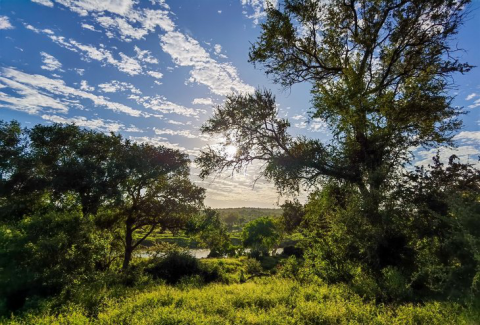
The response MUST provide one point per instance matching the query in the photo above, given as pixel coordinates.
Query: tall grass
(260, 301)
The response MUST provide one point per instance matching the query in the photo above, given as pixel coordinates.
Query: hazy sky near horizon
(152, 70)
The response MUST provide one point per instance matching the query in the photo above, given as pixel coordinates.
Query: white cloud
(471, 96)
(465, 153)
(161, 104)
(202, 101)
(157, 141)
(35, 92)
(219, 11)
(257, 8)
(122, 25)
(218, 51)
(50, 63)
(220, 78)
(126, 64)
(175, 122)
(472, 137)
(5, 23)
(96, 124)
(155, 74)
(475, 104)
(184, 133)
(89, 27)
(28, 98)
(145, 56)
(84, 86)
(116, 86)
(82, 7)
(79, 71)
(317, 125)
(133, 128)
(47, 3)
(301, 125)
(298, 117)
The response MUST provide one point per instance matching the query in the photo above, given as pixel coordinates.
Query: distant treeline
(239, 216)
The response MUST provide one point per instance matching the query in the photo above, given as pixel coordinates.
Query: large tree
(379, 71)
(139, 186)
(156, 193)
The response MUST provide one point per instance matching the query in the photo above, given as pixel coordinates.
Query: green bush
(253, 266)
(174, 266)
(290, 267)
(177, 266)
(46, 253)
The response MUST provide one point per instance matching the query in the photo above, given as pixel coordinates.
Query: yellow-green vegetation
(261, 301)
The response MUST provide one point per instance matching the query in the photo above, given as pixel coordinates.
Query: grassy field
(261, 301)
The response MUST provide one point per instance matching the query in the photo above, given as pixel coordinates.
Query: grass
(260, 301)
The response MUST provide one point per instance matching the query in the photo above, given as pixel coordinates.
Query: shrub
(174, 266)
(261, 235)
(253, 266)
(45, 253)
(293, 251)
(290, 267)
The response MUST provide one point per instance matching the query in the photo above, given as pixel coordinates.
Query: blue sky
(153, 69)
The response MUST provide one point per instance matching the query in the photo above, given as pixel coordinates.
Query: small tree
(261, 235)
(211, 233)
(292, 216)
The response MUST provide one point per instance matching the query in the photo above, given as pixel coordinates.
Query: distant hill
(240, 216)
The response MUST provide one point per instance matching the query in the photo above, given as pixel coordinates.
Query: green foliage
(211, 233)
(379, 76)
(261, 235)
(174, 266)
(47, 252)
(443, 203)
(181, 267)
(157, 193)
(262, 301)
(253, 266)
(292, 216)
(72, 199)
(426, 244)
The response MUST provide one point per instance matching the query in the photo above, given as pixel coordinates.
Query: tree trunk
(128, 244)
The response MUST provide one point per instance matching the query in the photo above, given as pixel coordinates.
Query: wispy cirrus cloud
(118, 86)
(220, 78)
(5, 23)
(129, 22)
(50, 63)
(95, 124)
(157, 141)
(35, 93)
(129, 65)
(471, 96)
(202, 101)
(85, 86)
(184, 133)
(255, 9)
(46, 3)
(161, 104)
